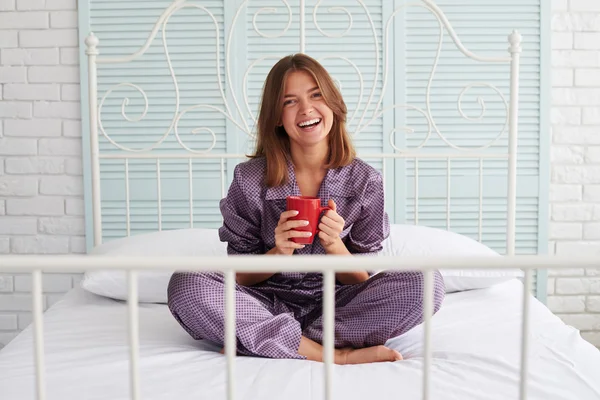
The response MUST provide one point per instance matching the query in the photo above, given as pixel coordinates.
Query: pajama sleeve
(241, 220)
(372, 228)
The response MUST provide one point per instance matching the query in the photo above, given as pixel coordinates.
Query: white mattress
(475, 349)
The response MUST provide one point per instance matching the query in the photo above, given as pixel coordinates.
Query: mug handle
(321, 209)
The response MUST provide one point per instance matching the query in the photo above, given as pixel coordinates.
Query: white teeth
(310, 122)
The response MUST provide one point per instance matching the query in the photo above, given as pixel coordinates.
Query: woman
(303, 148)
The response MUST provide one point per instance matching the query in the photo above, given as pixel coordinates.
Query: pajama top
(252, 210)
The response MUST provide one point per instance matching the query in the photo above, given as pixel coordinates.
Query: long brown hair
(273, 142)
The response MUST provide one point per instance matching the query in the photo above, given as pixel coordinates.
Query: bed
(470, 349)
(475, 338)
(475, 356)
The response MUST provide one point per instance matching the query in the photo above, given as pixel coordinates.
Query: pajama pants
(272, 316)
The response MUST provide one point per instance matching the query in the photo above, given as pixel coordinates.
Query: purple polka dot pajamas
(271, 316)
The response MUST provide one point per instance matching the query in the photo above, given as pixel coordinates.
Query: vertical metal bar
(222, 177)
(127, 200)
(525, 336)
(132, 302)
(328, 330)
(191, 193)
(302, 27)
(480, 199)
(158, 193)
(448, 173)
(416, 191)
(230, 335)
(38, 334)
(515, 50)
(383, 174)
(427, 312)
(92, 51)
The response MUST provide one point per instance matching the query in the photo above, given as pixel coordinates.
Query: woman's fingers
(285, 236)
(292, 245)
(336, 217)
(328, 230)
(293, 224)
(325, 237)
(292, 233)
(288, 225)
(326, 240)
(284, 231)
(331, 222)
(283, 242)
(287, 215)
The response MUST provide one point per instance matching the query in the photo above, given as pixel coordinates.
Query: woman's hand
(284, 232)
(331, 226)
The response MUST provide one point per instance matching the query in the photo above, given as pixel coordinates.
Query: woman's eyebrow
(308, 91)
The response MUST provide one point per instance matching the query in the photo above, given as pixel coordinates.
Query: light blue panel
(483, 27)
(198, 64)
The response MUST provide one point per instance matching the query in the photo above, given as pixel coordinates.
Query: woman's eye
(285, 103)
(317, 94)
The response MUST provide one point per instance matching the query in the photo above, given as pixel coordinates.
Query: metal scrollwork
(358, 120)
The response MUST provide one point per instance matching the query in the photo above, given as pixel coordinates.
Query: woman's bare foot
(314, 352)
(366, 355)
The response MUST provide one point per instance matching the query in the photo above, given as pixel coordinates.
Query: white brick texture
(590, 115)
(52, 283)
(9, 39)
(574, 225)
(24, 20)
(7, 5)
(38, 91)
(562, 77)
(32, 127)
(29, 56)
(13, 74)
(41, 184)
(41, 204)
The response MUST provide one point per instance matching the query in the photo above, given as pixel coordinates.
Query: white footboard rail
(328, 265)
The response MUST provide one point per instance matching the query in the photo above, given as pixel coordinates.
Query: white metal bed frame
(327, 265)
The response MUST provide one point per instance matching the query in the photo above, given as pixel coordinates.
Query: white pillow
(404, 240)
(411, 240)
(152, 285)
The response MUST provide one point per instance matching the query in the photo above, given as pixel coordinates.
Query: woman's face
(306, 117)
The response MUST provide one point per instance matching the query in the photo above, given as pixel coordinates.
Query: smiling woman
(303, 149)
(298, 90)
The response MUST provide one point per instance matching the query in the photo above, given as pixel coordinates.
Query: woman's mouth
(310, 124)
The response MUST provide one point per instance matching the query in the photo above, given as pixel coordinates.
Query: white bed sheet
(476, 338)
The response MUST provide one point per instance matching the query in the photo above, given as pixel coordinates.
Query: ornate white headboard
(367, 105)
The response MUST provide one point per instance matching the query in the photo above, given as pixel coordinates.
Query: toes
(392, 355)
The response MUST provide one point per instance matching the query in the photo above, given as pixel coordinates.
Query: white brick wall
(41, 207)
(574, 189)
(41, 204)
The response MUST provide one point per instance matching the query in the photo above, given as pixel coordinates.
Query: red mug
(309, 209)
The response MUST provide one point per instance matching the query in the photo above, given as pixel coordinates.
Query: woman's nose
(306, 107)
